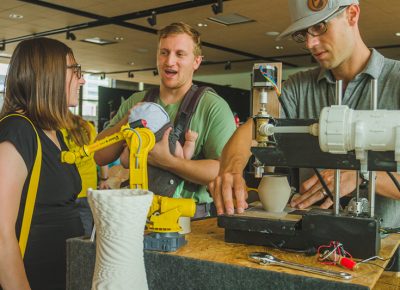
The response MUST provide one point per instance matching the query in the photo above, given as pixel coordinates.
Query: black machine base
(359, 235)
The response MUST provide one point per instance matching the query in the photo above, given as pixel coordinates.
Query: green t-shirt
(213, 121)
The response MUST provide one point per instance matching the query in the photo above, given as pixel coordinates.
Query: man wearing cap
(329, 29)
(178, 57)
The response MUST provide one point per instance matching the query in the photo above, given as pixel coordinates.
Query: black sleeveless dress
(55, 216)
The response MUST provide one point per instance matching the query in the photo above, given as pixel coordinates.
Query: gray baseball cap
(306, 13)
(155, 115)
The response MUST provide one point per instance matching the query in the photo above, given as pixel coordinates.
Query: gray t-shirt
(306, 93)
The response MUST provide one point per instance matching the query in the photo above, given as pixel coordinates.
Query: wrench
(267, 259)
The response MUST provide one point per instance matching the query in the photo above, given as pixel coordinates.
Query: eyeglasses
(76, 69)
(315, 30)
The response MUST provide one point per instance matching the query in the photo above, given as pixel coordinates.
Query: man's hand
(227, 188)
(160, 156)
(311, 190)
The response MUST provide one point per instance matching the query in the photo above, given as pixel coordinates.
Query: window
(90, 96)
(3, 72)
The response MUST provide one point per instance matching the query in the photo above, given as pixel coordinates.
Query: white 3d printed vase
(274, 192)
(119, 217)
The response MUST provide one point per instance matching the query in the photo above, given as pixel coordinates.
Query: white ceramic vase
(274, 192)
(120, 217)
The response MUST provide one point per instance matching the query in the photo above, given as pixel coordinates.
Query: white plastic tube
(342, 129)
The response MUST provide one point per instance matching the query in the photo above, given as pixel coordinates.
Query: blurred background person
(81, 132)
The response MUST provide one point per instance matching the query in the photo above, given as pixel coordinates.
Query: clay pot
(274, 192)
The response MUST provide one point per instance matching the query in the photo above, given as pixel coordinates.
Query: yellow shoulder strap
(32, 190)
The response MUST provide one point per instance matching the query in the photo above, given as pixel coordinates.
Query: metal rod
(372, 174)
(339, 92)
(336, 202)
(336, 205)
(371, 193)
(291, 129)
(374, 94)
(357, 185)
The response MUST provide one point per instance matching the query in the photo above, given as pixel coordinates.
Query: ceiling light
(397, 34)
(15, 16)
(98, 40)
(202, 24)
(279, 47)
(272, 33)
(131, 63)
(152, 20)
(70, 36)
(141, 50)
(118, 38)
(230, 19)
(218, 7)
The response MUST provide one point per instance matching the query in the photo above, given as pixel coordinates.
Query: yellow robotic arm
(140, 142)
(164, 211)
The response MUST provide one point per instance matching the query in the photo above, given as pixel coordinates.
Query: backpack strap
(182, 121)
(151, 95)
(32, 190)
(186, 111)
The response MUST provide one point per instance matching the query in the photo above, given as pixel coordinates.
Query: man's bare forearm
(385, 185)
(237, 152)
(110, 153)
(196, 171)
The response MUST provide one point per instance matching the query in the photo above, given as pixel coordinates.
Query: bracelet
(103, 178)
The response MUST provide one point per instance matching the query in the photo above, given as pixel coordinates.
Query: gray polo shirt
(305, 94)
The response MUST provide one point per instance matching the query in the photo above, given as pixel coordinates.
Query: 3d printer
(342, 138)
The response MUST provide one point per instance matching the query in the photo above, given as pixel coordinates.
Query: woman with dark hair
(42, 81)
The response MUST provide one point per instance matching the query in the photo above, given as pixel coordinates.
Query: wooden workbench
(207, 262)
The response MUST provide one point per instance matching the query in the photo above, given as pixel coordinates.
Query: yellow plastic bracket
(138, 156)
(166, 222)
(164, 213)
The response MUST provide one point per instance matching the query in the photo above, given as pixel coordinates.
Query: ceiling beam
(120, 20)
